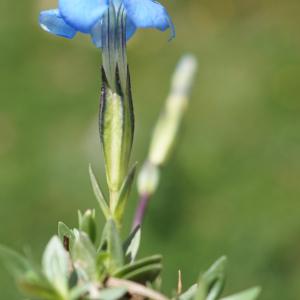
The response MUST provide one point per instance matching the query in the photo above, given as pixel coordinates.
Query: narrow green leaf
(121, 46)
(132, 244)
(212, 282)
(84, 257)
(112, 244)
(145, 274)
(250, 294)
(99, 195)
(55, 265)
(118, 210)
(141, 263)
(108, 44)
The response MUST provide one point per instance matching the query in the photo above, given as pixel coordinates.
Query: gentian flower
(86, 16)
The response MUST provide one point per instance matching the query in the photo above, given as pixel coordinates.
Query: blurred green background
(232, 186)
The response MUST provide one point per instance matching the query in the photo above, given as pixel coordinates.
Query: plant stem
(135, 288)
(141, 210)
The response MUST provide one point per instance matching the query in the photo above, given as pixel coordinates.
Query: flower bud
(167, 127)
(116, 131)
(148, 179)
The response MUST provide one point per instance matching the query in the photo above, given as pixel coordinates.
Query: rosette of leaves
(75, 267)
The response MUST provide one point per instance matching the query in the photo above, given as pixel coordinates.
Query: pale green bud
(167, 127)
(148, 179)
(116, 131)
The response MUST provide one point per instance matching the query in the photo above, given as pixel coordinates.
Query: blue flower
(74, 16)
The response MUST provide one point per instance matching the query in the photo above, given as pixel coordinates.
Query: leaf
(64, 232)
(112, 244)
(250, 294)
(155, 259)
(111, 293)
(118, 210)
(144, 274)
(84, 257)
(16, 263)
(99, 196)
(190, 293)
(132, 244)
(55, 265)
(211, 283)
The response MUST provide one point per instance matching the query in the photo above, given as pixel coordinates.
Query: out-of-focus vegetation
(233, 185)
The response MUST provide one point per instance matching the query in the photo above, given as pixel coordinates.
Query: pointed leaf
(118, 210)
(99, 195)
(141, 263)
(132, 244)
(250, 294)
(145, 274)
(112, 244)
(211, 283)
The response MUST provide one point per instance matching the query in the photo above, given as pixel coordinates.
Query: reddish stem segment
(141, 210)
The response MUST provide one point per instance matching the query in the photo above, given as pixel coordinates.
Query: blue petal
(96, 34)
(51, 21)
(130, 29)
(82, 14)
(148, 14)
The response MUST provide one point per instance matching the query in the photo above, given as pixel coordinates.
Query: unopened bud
(148, 179)
(116, 131)
(167, 127)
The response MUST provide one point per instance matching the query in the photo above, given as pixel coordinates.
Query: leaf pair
(211, 283)
(142, 271)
